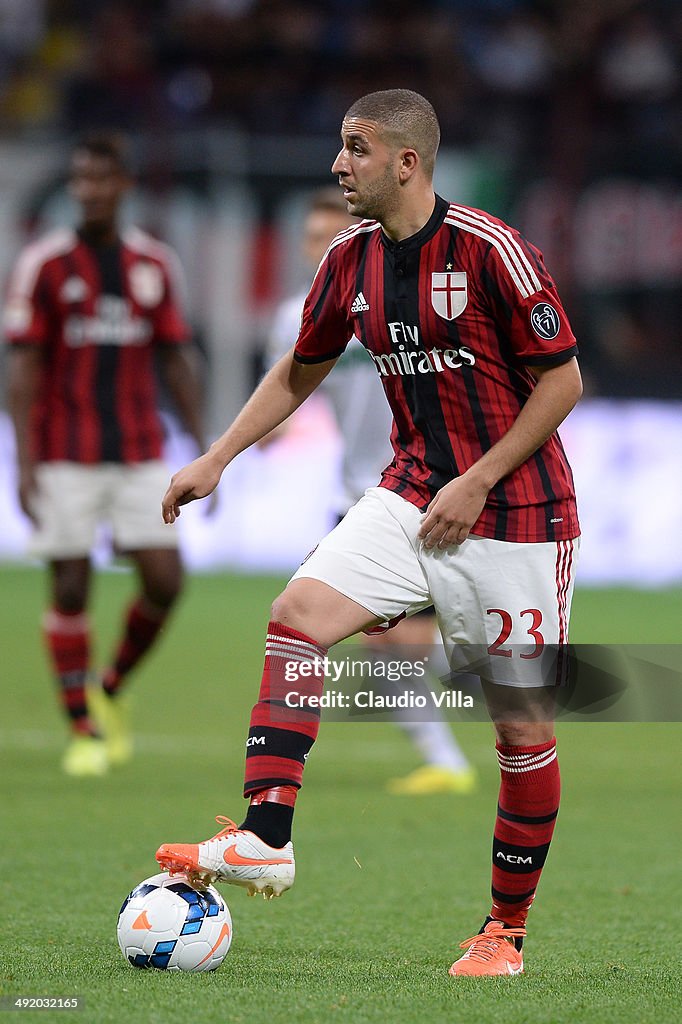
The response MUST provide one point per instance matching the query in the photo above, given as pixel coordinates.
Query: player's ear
(409, 162)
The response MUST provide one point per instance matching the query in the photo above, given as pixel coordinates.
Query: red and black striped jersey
(96, 312)
(453, 317)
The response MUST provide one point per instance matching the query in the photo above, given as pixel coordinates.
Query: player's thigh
(417, 635)
(136, 493)
(67, 505)
(505, 607)
(321, 612)
(369, 559)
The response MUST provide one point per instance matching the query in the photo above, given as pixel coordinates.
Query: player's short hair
(328, 200)
(109, 145)
(406, 117)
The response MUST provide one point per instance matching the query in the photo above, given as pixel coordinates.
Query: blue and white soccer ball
(168, 924)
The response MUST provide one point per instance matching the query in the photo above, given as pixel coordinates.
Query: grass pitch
(386, 886)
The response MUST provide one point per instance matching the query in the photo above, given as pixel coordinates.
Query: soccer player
(87, 312)
(475, 514)
(364, 422)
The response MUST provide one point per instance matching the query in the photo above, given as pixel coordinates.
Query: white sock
(436, 744)
(428, 731)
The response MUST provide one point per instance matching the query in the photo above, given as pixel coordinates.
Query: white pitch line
(163, 745)
(334, 743)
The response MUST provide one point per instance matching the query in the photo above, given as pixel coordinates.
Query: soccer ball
(168, 924)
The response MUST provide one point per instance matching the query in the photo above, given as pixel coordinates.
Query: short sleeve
(170, 323)
(26, 312)
(525, 302)
(326, 328)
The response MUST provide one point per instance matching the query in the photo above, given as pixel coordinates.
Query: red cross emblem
(449, 294)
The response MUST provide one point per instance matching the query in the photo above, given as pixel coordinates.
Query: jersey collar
(424, 234)
(86, 237)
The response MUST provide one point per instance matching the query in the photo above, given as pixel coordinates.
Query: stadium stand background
(561, 117)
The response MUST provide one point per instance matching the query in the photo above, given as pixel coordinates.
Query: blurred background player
(87, 312)
(364, 422)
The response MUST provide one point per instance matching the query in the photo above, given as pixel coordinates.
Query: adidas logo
(360, 304)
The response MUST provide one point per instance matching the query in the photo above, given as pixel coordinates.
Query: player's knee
(523, 734)
(279, 607)
(70, 593)
(164, 590)
(291, 608)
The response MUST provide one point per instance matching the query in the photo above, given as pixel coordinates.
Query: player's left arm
(179, 359)
(180, 370)
(454, 510)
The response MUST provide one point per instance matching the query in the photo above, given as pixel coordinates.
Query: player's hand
(27, 487)
(197, 480)
(452, 513)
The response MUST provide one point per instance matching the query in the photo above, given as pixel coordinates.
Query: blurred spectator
(118, 86)
(638, 62)
(269, 66)
(22, 25)
(563, 97)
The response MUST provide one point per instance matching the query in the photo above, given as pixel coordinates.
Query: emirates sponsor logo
(409, 359)
(112, 324)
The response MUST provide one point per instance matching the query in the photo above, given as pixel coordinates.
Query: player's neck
(413, 214)
(99, 234)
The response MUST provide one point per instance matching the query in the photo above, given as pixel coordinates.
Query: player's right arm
(278, 395)
(27, 329)
(23, 383)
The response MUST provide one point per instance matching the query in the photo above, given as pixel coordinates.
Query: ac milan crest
(146, 283)
(449, 294)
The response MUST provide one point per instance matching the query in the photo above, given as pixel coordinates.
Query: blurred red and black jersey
(96, 312)
(453, 318)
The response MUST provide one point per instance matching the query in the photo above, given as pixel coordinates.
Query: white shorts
(502, 607)
(73, 499)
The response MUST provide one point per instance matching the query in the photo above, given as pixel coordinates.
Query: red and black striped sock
(142, 626)
(283, 729)
(67, 637)
(528, 805)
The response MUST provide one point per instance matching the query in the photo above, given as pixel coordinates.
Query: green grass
(386, 887)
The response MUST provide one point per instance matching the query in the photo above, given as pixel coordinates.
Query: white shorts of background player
(72, 499)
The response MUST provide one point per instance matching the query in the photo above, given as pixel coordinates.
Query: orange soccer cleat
(490, 953)
(233, 855)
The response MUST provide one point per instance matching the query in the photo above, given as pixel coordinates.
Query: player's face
(367, 169)
(319, 228)
(98, 185)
